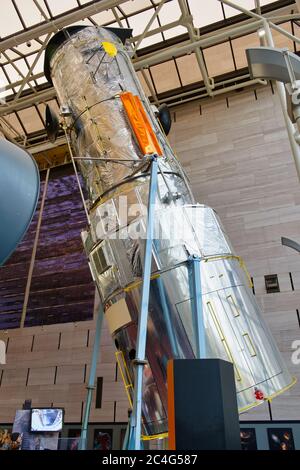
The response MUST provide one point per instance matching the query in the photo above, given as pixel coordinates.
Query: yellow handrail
(163, 435)
(124, 374)
(238, 258)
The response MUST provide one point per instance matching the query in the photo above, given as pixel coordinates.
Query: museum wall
(50, 365)
(236, 153)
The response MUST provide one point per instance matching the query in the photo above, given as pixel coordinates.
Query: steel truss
(194, 44)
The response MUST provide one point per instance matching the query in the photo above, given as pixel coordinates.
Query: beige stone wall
(51, 364)
(236, 153)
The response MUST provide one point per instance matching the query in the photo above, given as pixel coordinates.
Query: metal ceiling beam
(118, 20)
(182, 21)
(207, 41)
(18, 70)
(27, 101)
(259, 17)
(160, 29)
(149, 60)
(33, 78)
(147, 27)
(29, 75)
(188, 47)
(58, 23)
(47, 145)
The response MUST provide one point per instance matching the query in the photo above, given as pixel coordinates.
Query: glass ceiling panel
(138, 23)
(266, 2)
(15, 72)
(173, 32)
(41, 80)
(9, 20)
(104, 17)
(137, 5)
(30, 13)
(3, 79)
(116, 25)
(205, 12)
(249, 4)
(154, 39)
(170, 12)
(3, 92)
(85, 22)
(60, 6)
(42, 38)
(39, 66)
(10, 54)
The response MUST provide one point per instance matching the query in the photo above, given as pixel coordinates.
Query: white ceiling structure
(185, 49)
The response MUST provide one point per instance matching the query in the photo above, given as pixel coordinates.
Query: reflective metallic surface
(89, 82)
(19, 192)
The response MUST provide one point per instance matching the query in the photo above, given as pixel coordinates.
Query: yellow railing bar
(223, 339)
(238, 258)
(137, 283)
(163, 435)
(127, 384)
(269, 397)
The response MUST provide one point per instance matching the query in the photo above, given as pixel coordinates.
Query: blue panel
(19, 191)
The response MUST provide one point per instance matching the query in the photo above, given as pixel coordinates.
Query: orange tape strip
(140, 124)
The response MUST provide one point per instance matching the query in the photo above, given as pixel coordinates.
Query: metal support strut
(136, 417)
(194, 266)
(91, 384)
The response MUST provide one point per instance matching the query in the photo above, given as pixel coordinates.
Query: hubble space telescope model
(112, 129)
